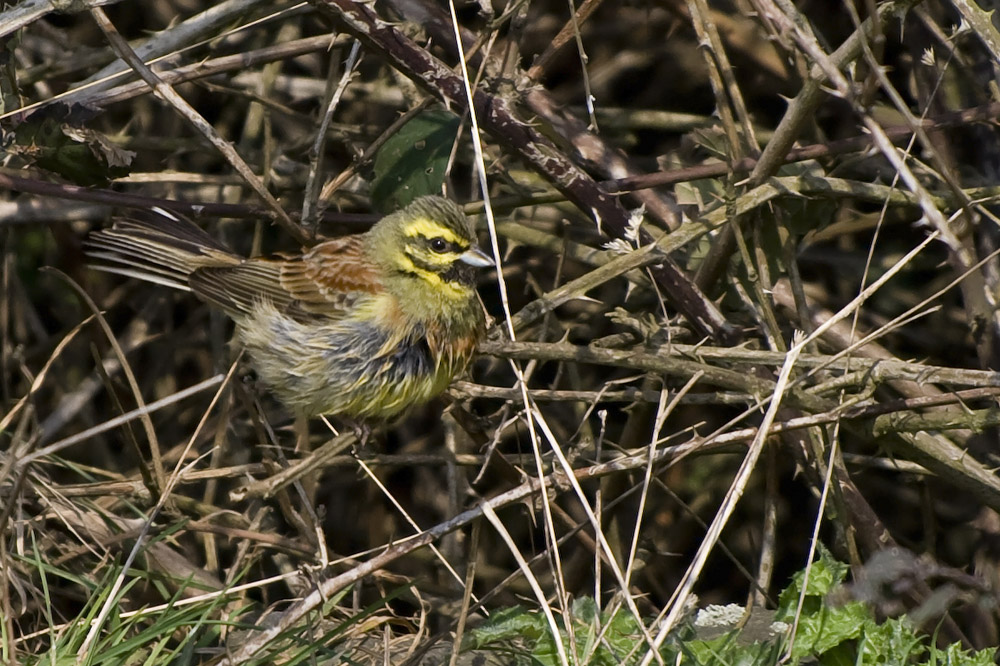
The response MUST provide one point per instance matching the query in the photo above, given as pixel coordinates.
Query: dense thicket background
(791, 161)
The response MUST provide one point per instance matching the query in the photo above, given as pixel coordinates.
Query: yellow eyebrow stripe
(428, 228)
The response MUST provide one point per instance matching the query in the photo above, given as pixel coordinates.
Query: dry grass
(829, 169)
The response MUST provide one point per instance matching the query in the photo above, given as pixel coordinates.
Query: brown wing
(324, 281)
(330, 276)
(237, 289)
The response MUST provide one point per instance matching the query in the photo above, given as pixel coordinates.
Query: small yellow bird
(364, 326)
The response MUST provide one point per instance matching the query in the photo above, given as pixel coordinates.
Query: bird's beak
(476, 257)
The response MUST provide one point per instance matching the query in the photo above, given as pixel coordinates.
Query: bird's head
(428, 252)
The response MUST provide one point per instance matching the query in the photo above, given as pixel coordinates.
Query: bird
(363, 327)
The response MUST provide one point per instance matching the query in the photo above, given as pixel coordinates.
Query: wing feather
(325, 281)
(238, 289)
(331, 276)
(159, 246)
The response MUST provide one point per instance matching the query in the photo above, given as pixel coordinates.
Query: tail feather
(157, 246)
(167, 280)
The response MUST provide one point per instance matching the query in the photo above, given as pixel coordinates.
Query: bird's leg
(363, 431)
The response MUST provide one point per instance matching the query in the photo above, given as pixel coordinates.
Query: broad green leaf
(822, 625)
(824, 575)
(829, 627)
(55, 139)
(412, 163)
(892, 642)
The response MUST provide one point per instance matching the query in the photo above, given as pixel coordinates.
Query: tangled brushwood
(421, 332)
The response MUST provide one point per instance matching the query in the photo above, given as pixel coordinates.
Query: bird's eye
(439, 244)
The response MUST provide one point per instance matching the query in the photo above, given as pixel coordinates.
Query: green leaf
(954, 655)
(56, 140)
(600, 638)
(703, 193)
(822, 626)
(505, 625)
(412, 163)
(825, 574)
(829, 627)
(892, 642)
(729, 650)
(621, 636)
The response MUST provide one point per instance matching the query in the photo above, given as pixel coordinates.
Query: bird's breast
(360, 366)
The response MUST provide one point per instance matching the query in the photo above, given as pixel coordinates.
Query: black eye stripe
(421, 255)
